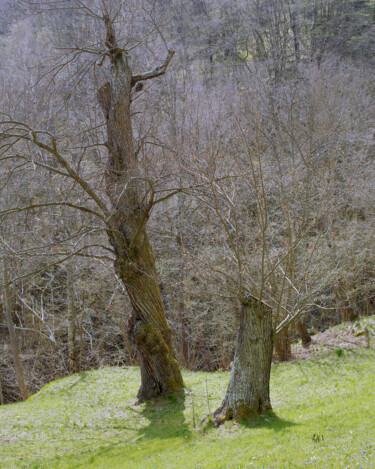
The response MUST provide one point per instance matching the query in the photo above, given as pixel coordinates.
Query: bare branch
(50, 204)
(39, 316)
(158, 71)
(85, 186)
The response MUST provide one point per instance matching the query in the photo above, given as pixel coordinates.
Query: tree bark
(248, 390)
(135, 264)
(12, 333)
(148, 329)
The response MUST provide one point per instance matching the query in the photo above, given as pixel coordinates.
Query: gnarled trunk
(148, 328)
(135, 265)
(248, 390)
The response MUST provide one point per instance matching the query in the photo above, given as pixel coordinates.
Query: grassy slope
(325, 417)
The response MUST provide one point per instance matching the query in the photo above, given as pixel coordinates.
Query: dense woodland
(252, 171)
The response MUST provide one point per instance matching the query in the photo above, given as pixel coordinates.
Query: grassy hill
(324, 417)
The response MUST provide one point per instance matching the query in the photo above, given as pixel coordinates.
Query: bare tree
(131, 199)
(135, 262)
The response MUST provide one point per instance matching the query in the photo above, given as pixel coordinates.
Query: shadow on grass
(48, 390)
(166, 419)
(270, 421)
(80, 377)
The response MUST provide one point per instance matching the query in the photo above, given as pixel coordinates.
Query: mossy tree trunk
(130, 208)
(248, 390)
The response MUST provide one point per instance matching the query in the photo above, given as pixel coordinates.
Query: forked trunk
(248, 390)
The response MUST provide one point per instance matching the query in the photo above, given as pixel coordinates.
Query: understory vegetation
(323, 417)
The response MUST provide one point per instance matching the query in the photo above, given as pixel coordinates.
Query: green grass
(324, 417)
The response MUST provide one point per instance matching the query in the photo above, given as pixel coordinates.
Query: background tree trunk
(295, 29)
(1, 392)
(12, 333)
(248, 390)
(183, 316)
(348, 310)
(283, 346)
(302, 331)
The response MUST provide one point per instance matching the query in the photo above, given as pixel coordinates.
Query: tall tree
(129, 200)
(135, 264)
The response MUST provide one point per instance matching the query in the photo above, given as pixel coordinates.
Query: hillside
(324, 411)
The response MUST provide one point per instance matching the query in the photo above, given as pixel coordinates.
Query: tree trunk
(183, 333)
(130, 208)
(349, 312)
(148, 329)
(129, 348)
(12, 333)
(283, 346)
(295, 30)
(1, 392)
(303, 332)
(248, 390)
